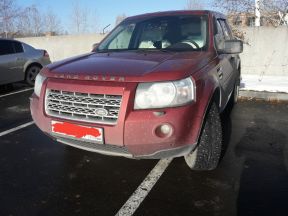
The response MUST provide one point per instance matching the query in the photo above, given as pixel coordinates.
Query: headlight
(38, 84)
(164, 94)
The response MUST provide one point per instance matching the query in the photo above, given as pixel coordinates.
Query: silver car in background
(19, 61)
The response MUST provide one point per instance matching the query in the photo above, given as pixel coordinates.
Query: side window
(229, 30)
(225, 30)
(18, 48)
(219, 37)
(6, 47)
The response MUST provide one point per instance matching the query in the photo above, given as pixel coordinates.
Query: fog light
(164, 130)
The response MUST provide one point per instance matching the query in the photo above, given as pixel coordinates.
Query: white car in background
(20, 61)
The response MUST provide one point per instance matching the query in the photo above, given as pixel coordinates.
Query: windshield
(181, 33)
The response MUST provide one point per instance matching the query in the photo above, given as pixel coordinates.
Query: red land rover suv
(153, 88)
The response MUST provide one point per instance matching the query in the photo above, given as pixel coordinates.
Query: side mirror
(94, 46)
(232, 47)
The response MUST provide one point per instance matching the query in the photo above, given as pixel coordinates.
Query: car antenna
(103, 31)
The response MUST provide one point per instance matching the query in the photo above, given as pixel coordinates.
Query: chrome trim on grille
(86, 107)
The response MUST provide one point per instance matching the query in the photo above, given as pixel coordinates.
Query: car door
(229, 59)
(224, 67)
(12, 61)
(21, 59)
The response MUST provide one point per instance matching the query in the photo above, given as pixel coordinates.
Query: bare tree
(120, 18)
(52, 23)
(9, 12)
(275, 11)
(30, 22)
(16, 21)
(79, 18)
(270, 9)
(235, 6)
(94, 21)
(37, 21)
(193, 5)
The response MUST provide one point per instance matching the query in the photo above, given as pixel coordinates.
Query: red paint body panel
(134, 67)
(135, 129)
(119, 74)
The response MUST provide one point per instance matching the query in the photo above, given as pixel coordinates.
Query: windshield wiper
(112, 50)
(166, 50)
(152, 50)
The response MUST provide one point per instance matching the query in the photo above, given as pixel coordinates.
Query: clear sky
(105, 11)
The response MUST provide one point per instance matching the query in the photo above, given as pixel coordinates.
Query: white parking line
(16, 128)
(12, 93)
(144, 188)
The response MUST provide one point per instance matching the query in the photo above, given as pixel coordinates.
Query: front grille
(95, 108)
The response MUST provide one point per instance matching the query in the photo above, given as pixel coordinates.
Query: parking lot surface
(41, 177)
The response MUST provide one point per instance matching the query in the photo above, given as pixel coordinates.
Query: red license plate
(77, 131)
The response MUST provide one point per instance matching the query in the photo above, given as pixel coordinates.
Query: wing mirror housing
(232, 47)
(94, 46)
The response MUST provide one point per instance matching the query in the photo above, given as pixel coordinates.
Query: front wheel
(31, 74)
(206, 156)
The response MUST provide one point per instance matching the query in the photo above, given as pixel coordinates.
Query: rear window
(28, 48)
(18, 47)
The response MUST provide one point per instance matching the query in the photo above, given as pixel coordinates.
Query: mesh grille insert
(95, 108)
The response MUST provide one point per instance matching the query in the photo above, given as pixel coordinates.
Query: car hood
(130, 66)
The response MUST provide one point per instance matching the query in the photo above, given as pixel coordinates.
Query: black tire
(31, 74)
(207, 154)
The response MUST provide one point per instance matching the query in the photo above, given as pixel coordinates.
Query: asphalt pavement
(41, 177)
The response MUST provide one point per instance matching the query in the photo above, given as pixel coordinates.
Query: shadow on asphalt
(8, 88)
(226, 128)
(263, 183)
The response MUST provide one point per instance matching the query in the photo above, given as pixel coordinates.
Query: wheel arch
(31, 64)
(207, 153)
(239, 68)
(215, 96)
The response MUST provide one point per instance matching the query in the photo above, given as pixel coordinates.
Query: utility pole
(257, 13)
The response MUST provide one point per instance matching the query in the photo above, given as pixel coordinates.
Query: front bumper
(134, 135)
(113, 150)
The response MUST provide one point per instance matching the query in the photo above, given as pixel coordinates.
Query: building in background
(267, 19)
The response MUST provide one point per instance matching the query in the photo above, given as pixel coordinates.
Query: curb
(265, 96)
